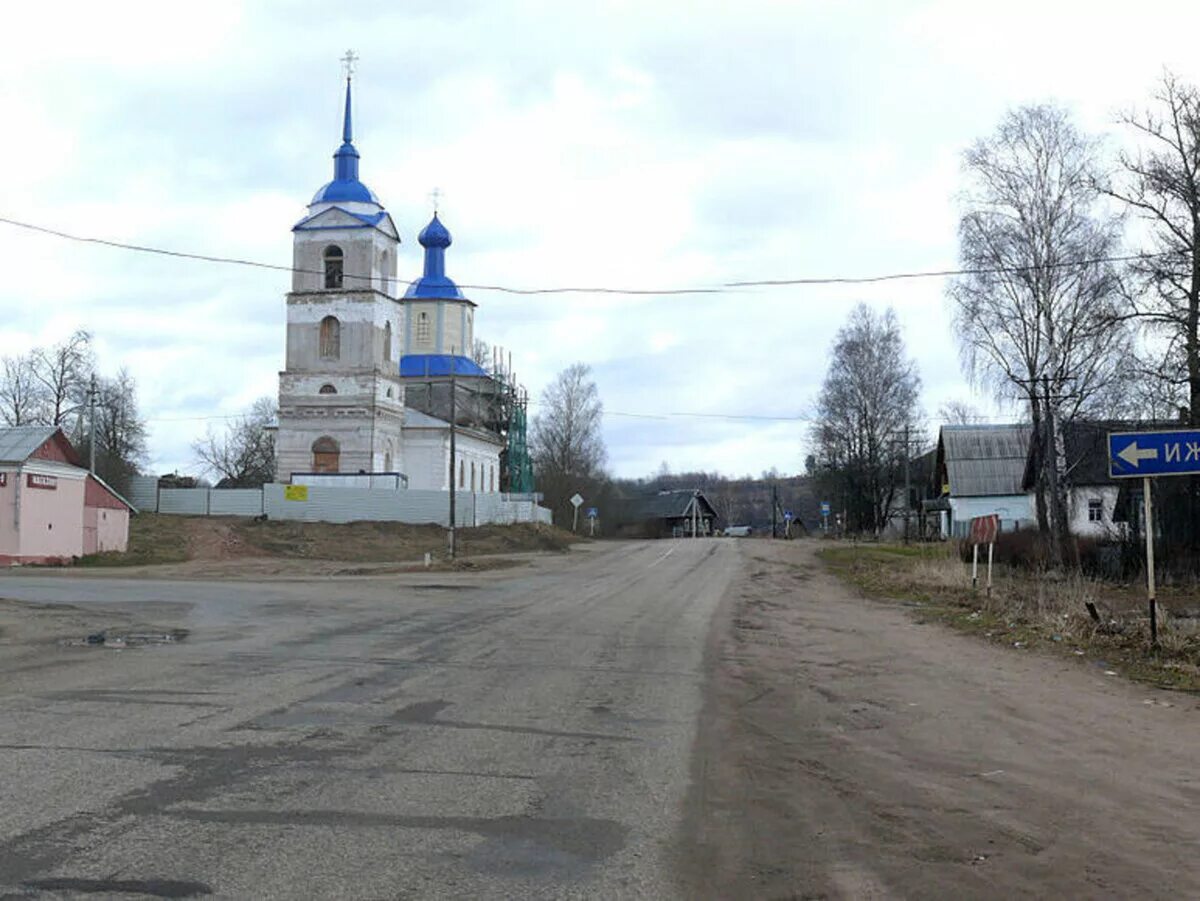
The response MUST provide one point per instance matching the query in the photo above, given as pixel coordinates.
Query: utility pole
(774, 505)
(1056, 512)
(453, 485)
(907, 486)
(92, 424)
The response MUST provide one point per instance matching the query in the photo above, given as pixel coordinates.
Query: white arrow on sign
(1133, 456)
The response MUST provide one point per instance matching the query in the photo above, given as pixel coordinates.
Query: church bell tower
(341, 402)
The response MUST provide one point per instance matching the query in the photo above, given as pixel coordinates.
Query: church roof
(433, 283)
(345, 186)
(423, 365)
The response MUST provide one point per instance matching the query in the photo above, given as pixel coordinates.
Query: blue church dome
(434, 284)
(345, 185)
(435, 234)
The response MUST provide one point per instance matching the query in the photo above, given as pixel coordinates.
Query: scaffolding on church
(493, 402)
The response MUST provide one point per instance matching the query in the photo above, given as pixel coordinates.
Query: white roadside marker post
(974, 567)
(991, 545)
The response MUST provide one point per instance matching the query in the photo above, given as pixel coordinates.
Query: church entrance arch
(325, 455)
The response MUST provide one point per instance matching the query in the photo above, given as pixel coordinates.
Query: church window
(389, 393)
(462, 473)
(333, 266)
(491, 478)
(422, 328)
(331, 338)
(327, 389)
(326, 453)
(472, 476)
(387, 342)
(385, 276)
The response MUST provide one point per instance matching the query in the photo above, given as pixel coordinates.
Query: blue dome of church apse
(434, 284)
(345, 185)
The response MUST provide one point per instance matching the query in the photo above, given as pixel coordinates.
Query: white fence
(314, 503)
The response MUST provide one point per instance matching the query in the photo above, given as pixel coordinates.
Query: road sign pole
(991, 546)
(1148, 511)
(974, 567)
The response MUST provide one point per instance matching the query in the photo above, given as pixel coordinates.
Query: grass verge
(1030, 610)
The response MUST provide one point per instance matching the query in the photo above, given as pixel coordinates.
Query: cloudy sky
(623, 144)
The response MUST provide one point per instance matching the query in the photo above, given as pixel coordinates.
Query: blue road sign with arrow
(1133, 455)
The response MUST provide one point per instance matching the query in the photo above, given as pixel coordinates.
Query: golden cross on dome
(436, 196)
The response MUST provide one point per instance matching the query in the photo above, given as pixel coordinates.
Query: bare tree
(243, 455)
(565, 440)
(63, 371)
(958, 412)
(481, 353)
(868, 401)
(22, 395)
(1160, 183)
(120, 431)
(1037, 315)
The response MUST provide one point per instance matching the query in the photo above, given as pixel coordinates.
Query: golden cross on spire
(348, 62)
(436, 196)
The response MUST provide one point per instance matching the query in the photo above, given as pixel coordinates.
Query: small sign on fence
(984, 530)
(295, 492)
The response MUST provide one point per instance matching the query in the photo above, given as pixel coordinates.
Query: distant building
(980, 470)
(665, 514)
(51, 507)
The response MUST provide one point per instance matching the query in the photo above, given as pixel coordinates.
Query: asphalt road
(521, 733)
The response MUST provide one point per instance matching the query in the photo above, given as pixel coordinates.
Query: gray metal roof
(664, 505)
(984, 460)
(18, 442)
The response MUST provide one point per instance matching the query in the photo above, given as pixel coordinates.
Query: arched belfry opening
(334, 267)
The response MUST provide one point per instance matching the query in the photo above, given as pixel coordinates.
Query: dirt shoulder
(848, 751)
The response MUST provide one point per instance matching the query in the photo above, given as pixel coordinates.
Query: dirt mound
(159, 538)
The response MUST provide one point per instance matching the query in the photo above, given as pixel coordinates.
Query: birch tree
(565, 441)
(867, 403)
(1037, 314)
(1159, 183)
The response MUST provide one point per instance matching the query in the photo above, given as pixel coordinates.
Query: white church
(357, 344)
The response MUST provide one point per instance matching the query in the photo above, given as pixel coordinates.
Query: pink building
(51, 508)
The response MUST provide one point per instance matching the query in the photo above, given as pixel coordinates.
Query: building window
(327, 389)
(472, 476)
(333, 266)
(325, 453)
(422, 328)
(491, 478)
(462, 473)
(387, 342)
(1095, 510)
(331, 338)
(385, 276)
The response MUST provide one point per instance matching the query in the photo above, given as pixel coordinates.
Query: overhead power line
(722, 288)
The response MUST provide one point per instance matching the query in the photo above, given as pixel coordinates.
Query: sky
(617, 144)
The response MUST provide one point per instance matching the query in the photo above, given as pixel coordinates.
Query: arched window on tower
(325, 455)
(422, 328)
(333, 266)
(387, 342)
(331, 338)
(327, 389)
(385, 275)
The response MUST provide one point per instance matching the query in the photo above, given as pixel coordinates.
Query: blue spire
(435, 238)
(345, 184)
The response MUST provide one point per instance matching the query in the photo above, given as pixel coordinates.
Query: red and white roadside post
(983, 531)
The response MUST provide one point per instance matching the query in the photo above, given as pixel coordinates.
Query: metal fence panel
(235, 501)
(187, 501)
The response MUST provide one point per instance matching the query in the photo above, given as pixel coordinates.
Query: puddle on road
(117, 640)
